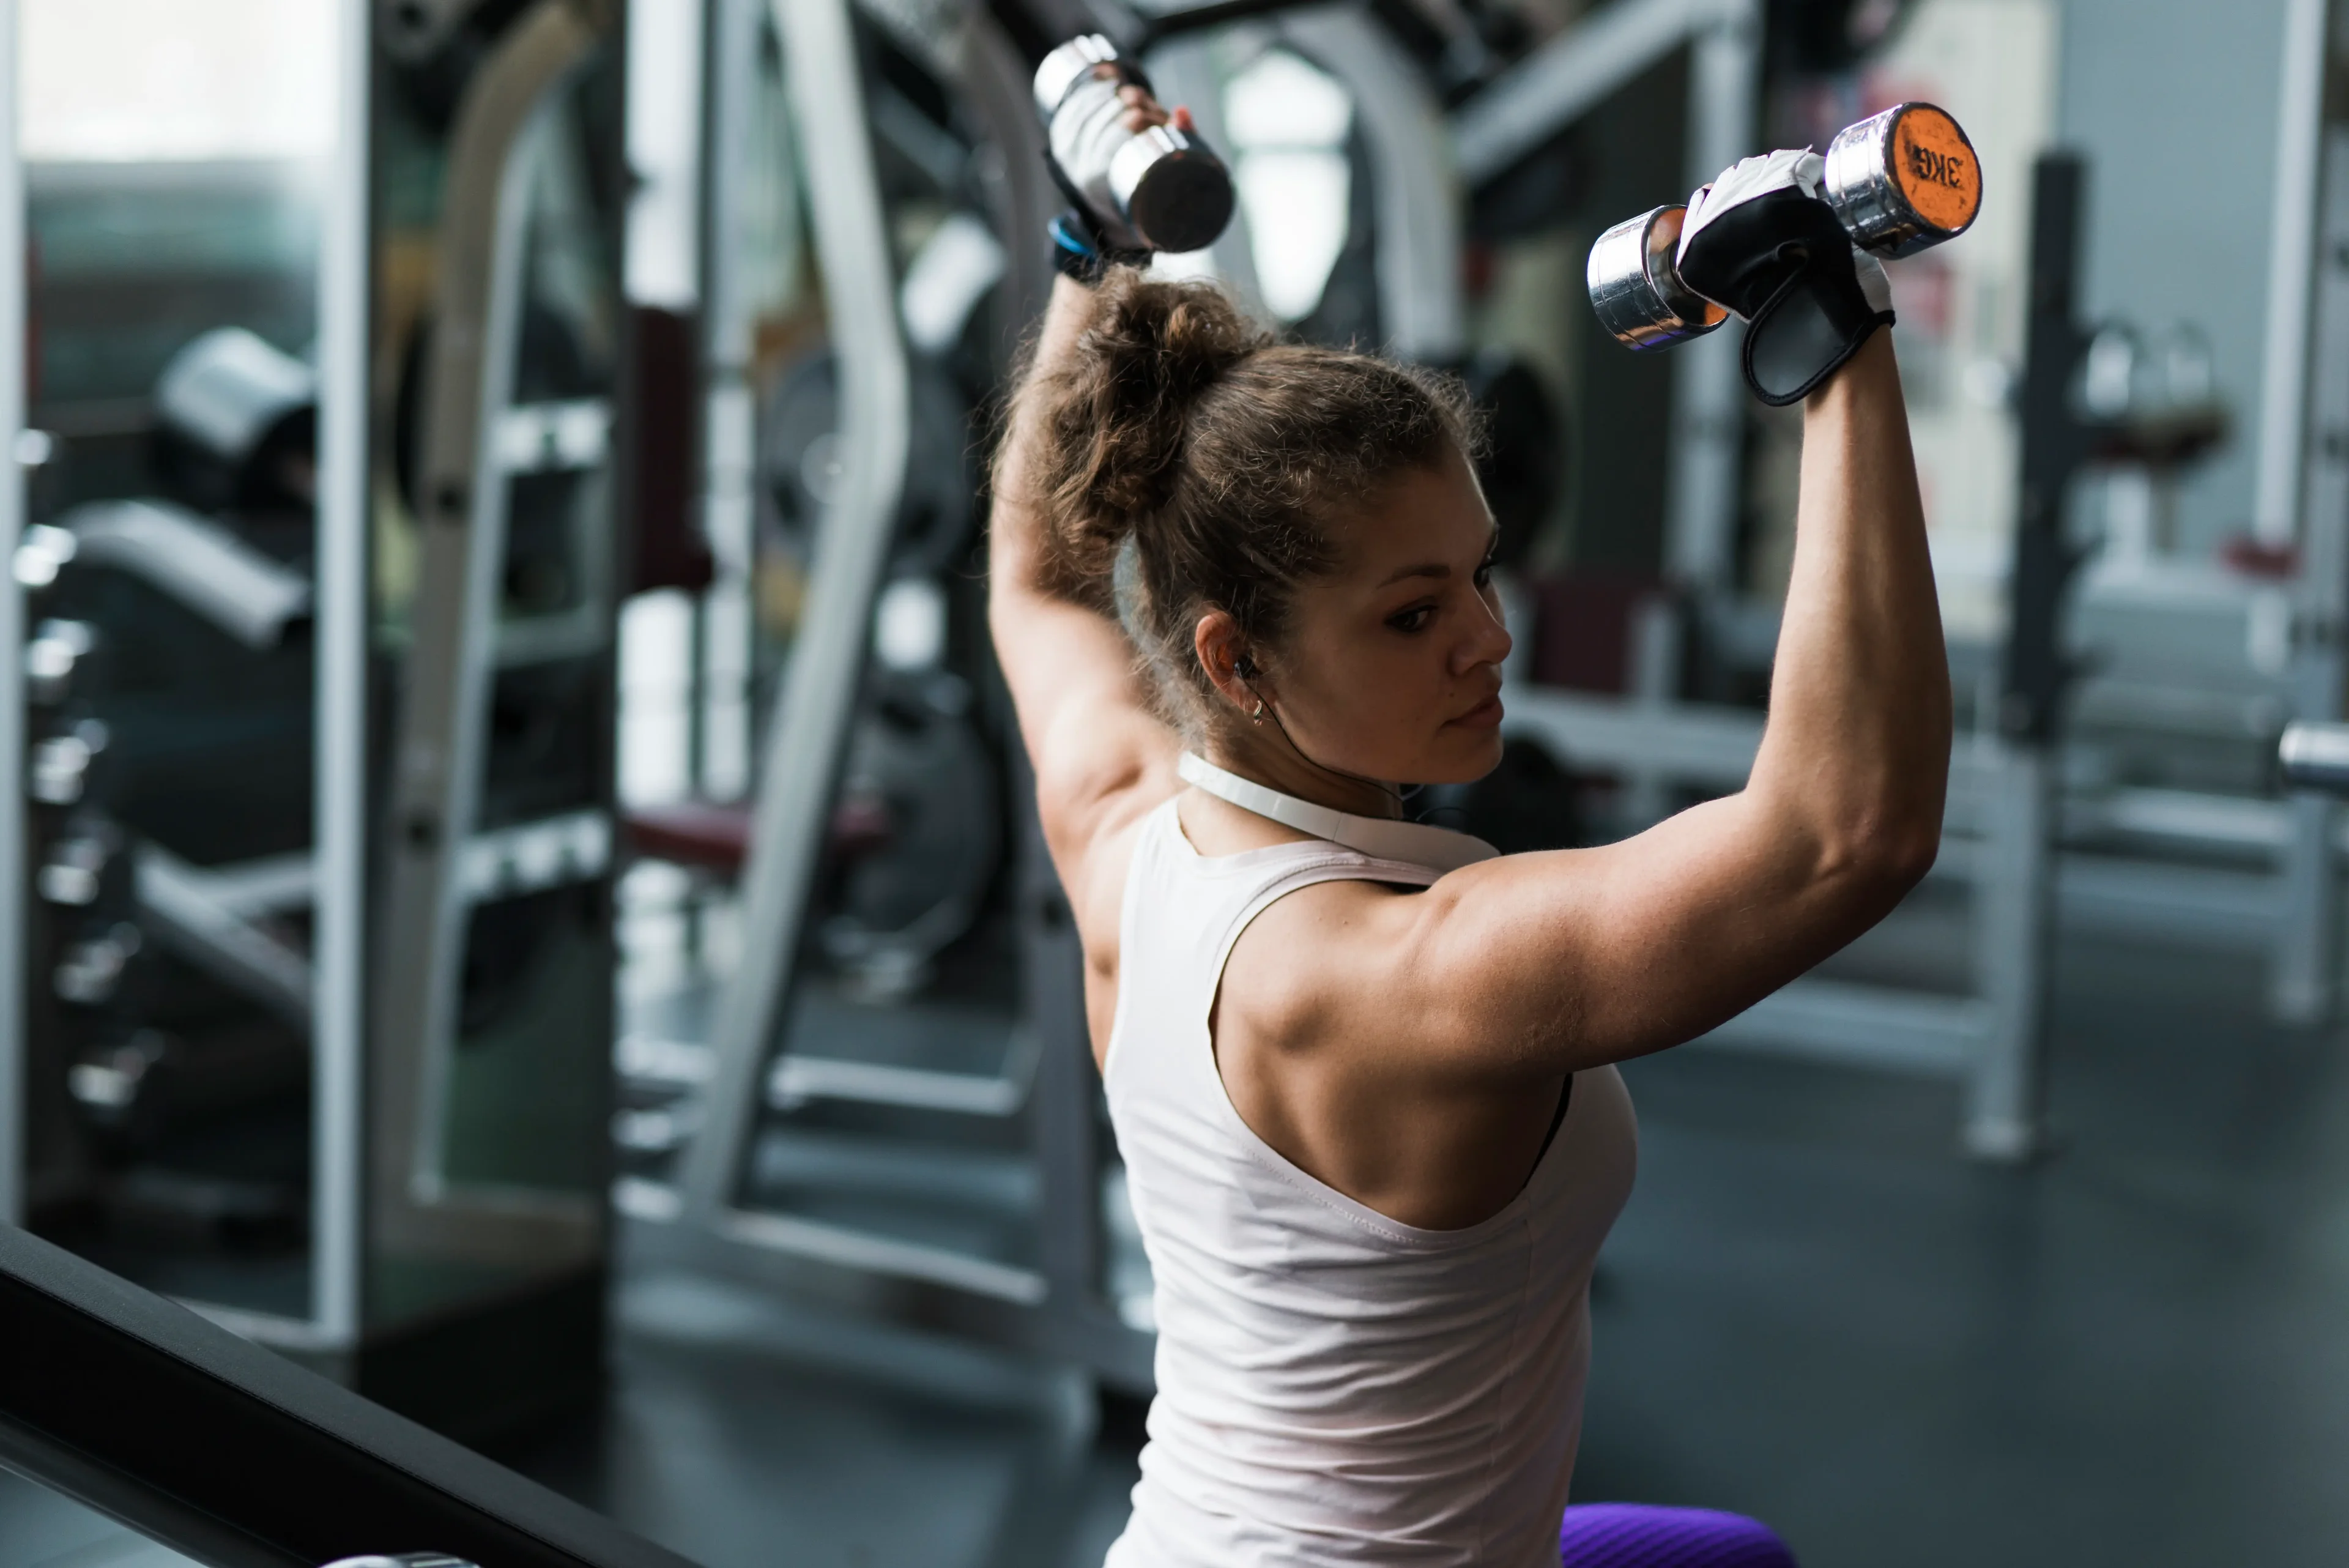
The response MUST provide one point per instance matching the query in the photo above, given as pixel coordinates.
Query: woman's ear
(1223, 655)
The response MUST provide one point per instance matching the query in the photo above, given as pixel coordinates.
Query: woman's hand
(1084, 140)
(1143, 111)
(1761, 241)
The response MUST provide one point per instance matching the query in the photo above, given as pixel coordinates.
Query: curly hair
(1189, 461)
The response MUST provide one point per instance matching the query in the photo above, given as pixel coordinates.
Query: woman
(1361, 1071)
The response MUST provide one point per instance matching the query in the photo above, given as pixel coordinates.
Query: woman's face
(1392, 666)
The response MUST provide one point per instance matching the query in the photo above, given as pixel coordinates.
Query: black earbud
(1243, 667)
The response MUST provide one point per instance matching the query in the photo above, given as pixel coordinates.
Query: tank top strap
(1183, 911)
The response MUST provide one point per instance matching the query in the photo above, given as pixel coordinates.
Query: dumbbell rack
(461, 1293)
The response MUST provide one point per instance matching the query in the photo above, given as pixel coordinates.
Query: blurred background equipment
(522, 832)
(317, 836)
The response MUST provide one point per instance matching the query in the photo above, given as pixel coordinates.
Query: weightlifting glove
(1081, 250)
(1760, 242)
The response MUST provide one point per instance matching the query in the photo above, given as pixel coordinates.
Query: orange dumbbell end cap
(1936, 167)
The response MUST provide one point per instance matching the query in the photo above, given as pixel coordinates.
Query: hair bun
(1151, 350)
(1167, 342)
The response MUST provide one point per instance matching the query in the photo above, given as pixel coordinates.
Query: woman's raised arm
(1536, 964)
(1101, 758)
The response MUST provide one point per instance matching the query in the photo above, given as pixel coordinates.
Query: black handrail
(234, 1456)
(1036, 27)
(1157, 27)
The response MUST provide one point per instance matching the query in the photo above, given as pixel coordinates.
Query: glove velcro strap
(1078, 252)
(1783, 260)
(1808, 329)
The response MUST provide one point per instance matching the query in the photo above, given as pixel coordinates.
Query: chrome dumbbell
(2314, 756)
(1900, 182)
(1163, 187)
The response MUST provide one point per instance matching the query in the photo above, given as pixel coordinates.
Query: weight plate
(799, 461)
(915, 832)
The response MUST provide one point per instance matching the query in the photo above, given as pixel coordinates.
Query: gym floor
(1812, 1311)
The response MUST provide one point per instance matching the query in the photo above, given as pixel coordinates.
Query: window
(1288, 121)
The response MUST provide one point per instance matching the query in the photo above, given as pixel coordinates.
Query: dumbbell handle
(1899, 182)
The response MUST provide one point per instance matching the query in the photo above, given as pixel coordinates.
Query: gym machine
(308, 921)
(864, 1072)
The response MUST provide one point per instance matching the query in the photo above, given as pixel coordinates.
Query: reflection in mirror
(896, 1097)
(699, 670)
(173, 169)
(895, 1103)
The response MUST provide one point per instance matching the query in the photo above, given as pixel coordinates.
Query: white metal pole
(1708, 400)
(2303, 985)
(2013, 936)
(13, 303)
(339, 692)
(2292, 230)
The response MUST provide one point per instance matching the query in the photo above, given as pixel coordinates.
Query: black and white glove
(1081, 250)
(1762, 243)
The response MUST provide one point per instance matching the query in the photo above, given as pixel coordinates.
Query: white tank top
(1333, 1387)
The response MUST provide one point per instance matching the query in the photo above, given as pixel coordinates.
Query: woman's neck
(1264, 755)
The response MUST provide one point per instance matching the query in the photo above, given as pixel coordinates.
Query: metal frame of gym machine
(1060, 1306)
(381, 996)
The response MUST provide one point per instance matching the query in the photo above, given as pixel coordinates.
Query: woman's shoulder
(1329, 937)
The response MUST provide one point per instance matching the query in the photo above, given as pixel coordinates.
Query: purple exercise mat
(1638, 1535)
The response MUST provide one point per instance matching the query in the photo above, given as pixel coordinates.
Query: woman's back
(1334, 1387)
